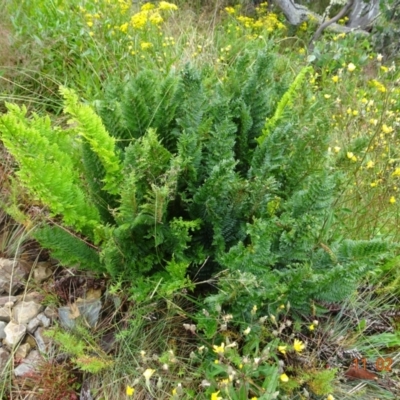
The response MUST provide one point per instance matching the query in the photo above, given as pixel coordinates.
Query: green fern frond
(92, 129)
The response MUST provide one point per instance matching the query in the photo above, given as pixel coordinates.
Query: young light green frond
(92, 129)
(285, 101)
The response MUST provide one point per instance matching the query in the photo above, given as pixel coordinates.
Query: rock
(31, 340)
(22, 352)
(43, 342)
(51, 312)
(5, 314)
(32, 296)
(28, 364)
(4, 358)
(88, 310)
(43, 320)
(12, 276)
(7, 299)
(2, 327)
(25, 311)
(14, 333)
(42, 271)
(33, 325)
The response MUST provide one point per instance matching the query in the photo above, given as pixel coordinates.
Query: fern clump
(182, 178)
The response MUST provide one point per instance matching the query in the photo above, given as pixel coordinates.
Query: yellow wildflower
(230, 10)
(384, 69)
(392, 200)
(156, 19)
(147, 6)
(370, 164)
(327, 96)
(89, 24)
(350, 155)
(254, 310)
(284, 378)
(336, 149)
(124, 28)
(311, 327)
(298, 345)
(129, 391)
(164, 5)
(335, 79)
(386, 129)
(330, 397)
(247, 331)
(219, 349)
(351, 67)
(396, 172)
(146, 45)
(282, 349)
(214, 396)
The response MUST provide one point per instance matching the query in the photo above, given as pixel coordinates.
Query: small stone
(51, 312)
(42, 271)
(31, 340)
(25, 311)
(28, 364)
(4, 358)
(44, 321)
(2, 327)
(14, 333)
(12, 276)
(5, 314)
(32, 296)
(33, 325)
(22, 352)
(43, 342)
(6, 299)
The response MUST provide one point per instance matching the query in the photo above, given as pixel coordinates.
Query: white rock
(25, 311)
(14, 333)
(2, 327)
(12, 275)
(28, 364)
(7, 299)
(44, 321)
(4, 358)
(5, 314)
(43, 342)
(33, 325)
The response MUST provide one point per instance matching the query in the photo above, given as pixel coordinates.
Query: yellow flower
(124, 28)
(282, 349)
(311, 327)
(336, 149)
(129, 391)
(386, 129)
(327, 96)
(254, 310)
(330, 397)
(230, 10)
(147, 7)
(396, 172)
(89, 24)
(216, 361)
(351, 67)
(146, 45)
(284, 378)
(254, 398)
(247, 331)
(214, 396)
(355, 112)
(370, 164)
(298, 345)
(392, 200)
(164, 5)
(335, 79)
(219, 349)
(350, 155)
(384, 69)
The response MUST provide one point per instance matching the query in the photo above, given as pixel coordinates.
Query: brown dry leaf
(360, 373)
(74, 311)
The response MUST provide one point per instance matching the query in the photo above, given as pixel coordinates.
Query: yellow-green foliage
(286, 100)
(91, 128)
(46, 166)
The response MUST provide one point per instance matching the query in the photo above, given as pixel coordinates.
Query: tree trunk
(362, 15)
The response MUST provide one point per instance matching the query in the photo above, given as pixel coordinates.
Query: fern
(92, 129)
(46, 170)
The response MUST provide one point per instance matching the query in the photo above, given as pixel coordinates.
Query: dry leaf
(74, 311)
(360, 373)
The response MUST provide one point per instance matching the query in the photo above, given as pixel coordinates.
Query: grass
(86, 46)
